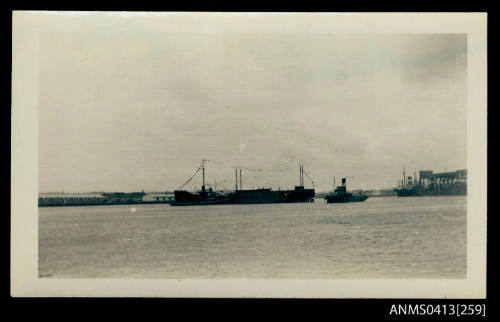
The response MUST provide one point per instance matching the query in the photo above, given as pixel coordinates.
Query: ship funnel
(343, 182)
(203, 168)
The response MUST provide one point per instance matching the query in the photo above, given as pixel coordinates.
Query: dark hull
(337, 199)
(406, 192)
(243, 197)
(199, 203)
(262, 196)
(185, 198)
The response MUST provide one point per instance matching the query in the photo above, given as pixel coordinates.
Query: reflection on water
(380, 238)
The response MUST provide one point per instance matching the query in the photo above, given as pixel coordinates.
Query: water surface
(389, 237)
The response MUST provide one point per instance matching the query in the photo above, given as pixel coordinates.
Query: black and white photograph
(318, 151)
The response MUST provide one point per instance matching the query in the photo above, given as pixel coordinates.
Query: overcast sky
(130, 111)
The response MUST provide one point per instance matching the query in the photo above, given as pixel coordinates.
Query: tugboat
(342, 195)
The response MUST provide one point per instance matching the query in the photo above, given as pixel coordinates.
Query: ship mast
(236, 176)
(241, 183)
(203, 168)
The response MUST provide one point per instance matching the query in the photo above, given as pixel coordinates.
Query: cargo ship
(240, 196)
(340, 195)
(429, 183)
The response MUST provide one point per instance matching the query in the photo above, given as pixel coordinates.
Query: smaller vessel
(342, 195)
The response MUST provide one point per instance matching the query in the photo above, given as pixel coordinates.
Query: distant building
(69, 199)
(159, 197)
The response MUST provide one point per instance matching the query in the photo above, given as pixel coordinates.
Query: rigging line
(216, 162)
(249, 169)
(195, 173)
(305, 173)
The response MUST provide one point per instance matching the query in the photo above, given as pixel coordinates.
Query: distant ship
(340, 194)
(240, 196)
(433, 184)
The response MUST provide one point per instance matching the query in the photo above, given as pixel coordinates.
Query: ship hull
(200, 203)
(263, 196)
(185, 198)
(405, 192)
(335, 199)
(244, 197)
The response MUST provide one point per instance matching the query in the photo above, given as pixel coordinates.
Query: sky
(131, 111)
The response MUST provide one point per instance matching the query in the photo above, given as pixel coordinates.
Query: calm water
(381, 238)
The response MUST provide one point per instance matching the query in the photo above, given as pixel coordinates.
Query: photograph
(225, 154)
